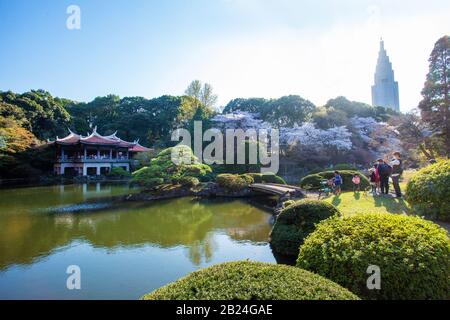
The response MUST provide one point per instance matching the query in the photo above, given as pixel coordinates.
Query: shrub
(164, 169)
(428, 191)
(344, 166)
(246, 280)
(188, 181)
(267, 178)
(313, 181)
(234, 182)
(296, 221)
(119, 172)
(413, 255)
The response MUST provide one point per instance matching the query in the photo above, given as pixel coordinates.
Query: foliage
(149, 120)
(428, 191)
(413, 255)
(266, 178)
(359, 109)
(38, 111)
(119, 172)
(188, 181)
(288, 111)
(202, 93)
(416, 135)
(313, 181)
(234, 182)
(15, 144)
(296, 221)
(246, 280)
(435, 106)
(251, 105)
(326, 118)
(163, 170)
(285, 111)
(143, 159)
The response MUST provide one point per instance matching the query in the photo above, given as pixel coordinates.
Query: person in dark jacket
(397, 170)
(384, 170)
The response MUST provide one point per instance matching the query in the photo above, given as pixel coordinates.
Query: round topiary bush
(234, 182)
(313, 181)
(267, 178)
(428, 191)
(245, 280)
(413, 255)
(296, 222)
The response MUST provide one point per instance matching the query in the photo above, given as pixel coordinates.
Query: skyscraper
(385, 89)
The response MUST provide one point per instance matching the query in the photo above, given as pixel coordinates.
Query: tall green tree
(203, 93)
(435, 106)
(288, 111)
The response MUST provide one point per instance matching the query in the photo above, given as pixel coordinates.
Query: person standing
(337, 182)
(397, 170)
(384, 170)
(356, 183)
(374, 178)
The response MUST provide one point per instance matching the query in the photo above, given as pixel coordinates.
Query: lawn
(350, 203)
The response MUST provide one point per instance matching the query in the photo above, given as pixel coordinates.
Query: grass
(350, 203)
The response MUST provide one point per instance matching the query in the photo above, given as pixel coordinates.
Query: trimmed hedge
(413, 255)
(246, 280)
(296, 222)
(313, 181)
(119, 172)
(267, 178)
(188, 181)
(428, 191)
(234, 182)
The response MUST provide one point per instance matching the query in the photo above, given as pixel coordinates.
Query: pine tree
(435, 106)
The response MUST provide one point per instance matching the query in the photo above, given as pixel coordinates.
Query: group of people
(382, 170)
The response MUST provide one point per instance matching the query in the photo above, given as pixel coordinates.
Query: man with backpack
(384, 170)
(397, 170)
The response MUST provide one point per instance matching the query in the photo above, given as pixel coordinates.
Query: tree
(435, 106)
(252, 105)
(45, 116)
(288, 111)
(326, 118)
(414, 134)
(202, 92)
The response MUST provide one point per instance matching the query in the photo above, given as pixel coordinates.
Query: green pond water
(124, 250)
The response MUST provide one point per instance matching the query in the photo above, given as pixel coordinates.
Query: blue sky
(244, 48)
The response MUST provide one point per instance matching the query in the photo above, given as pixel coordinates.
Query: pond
(124, 250)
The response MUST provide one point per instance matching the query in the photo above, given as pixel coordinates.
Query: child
(337, 182)
(374, 179)
(356, 183)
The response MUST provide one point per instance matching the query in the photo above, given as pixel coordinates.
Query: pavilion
(93, 154)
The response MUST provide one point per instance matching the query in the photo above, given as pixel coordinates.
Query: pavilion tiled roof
(96, 139)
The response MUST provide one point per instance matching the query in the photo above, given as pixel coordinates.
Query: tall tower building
(385, 89)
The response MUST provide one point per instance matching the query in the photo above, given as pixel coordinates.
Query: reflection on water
(141, 238)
